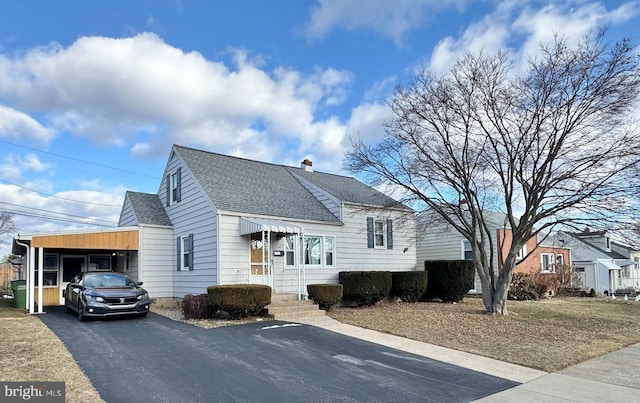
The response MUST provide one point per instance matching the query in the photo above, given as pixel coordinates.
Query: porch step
(287, 306)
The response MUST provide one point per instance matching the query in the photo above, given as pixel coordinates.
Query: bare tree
(7, 225)
(551, 146)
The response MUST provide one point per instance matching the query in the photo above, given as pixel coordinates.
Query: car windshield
(107, 280)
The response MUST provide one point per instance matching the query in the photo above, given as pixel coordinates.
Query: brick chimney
(307, 165)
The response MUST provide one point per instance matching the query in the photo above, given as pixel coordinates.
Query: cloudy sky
(94, 93)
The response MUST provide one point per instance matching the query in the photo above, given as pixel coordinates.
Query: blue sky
(94, 93)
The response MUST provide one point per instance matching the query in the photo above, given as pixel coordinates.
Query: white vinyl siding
(442, 242)
(348, 240)
(193, 215)
(127, 217)
(154, 263)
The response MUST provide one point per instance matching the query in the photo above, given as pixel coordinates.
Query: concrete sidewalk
(609, 378)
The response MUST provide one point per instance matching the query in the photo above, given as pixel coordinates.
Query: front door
(260, 272)
(71, 265)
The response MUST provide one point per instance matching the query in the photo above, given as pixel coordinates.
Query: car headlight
(96, 298)
(143, 296)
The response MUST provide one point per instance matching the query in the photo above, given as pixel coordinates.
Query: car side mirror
(76, 285)
(139, 282)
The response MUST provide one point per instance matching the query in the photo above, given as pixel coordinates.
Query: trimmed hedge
(365, 287)
(409, 286)
(239, 300)
(449, 280)
(325, 295)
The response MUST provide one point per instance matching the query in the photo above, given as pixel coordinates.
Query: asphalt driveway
(155, 359)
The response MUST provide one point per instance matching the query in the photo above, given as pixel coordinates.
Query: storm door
(260, 272)
(71, 265)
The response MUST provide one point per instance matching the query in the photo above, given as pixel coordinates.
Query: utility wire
(59, 197)
(60, 219)
(52, 212)
(79, 160)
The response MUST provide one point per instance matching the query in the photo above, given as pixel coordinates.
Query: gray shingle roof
(253, 187)
(148, 208)
(347, 189)
(612, 254)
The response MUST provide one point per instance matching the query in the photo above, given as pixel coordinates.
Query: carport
(51, 260)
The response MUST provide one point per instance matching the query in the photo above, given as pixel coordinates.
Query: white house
(601, 263)
(218, 219)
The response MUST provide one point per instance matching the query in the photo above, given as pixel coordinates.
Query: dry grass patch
(30, 351)
(548, 335)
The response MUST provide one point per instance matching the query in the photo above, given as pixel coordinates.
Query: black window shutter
(168, 198)
(178, 258)
(190, 251)
(369, 232)
(179, 184)
(389, 234)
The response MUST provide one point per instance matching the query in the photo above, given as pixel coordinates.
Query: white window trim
(463, 249)
(295, 248)
(323, 256)
(183, 252)
(551, 265)
(50, 270)
(522, 252)
(333, 251)
(173, 187)
(384, 234)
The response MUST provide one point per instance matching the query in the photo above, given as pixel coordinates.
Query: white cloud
(515, 23)
(14, 167)
(366, 122)
(141, 91)
(390, 19)
(18, 125)
(35, 213)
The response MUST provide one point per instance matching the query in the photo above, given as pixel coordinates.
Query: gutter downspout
(29, 290)
(40, 279)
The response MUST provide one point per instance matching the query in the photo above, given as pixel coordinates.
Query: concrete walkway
(610, 378)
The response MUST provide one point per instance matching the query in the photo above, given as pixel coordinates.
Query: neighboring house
(442, 242)
(543, 254)
(601, 263)
(218, 219)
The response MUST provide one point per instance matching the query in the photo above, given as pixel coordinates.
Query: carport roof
(122, 238)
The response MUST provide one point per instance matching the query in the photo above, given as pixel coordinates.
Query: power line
(42, 216)
(59, 197)
(79, 160)
(54, 212)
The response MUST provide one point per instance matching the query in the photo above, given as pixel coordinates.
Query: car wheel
(81, 316)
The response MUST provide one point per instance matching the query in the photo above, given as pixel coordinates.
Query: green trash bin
(19, 288)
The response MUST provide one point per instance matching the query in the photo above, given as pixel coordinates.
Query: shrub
(239, 300)
(545, 283)
(449, 280)
(409, 286)
(522, 288)
(365, 287)
(196, 307)
(325, 295)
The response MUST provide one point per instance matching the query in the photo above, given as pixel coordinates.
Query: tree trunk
(499, 306)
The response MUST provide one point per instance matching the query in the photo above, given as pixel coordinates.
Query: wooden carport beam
(114, 240)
